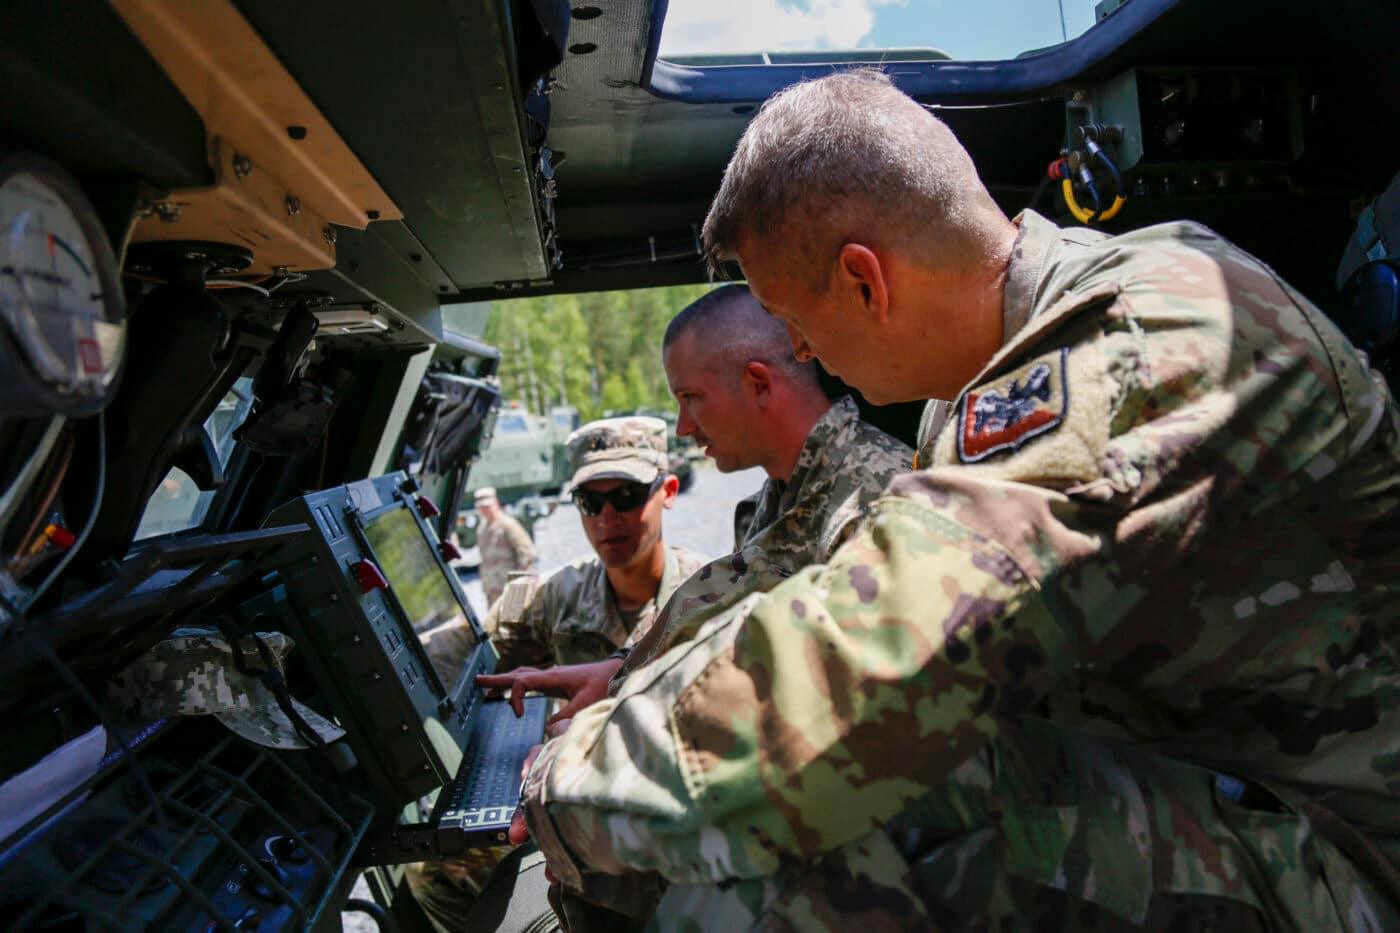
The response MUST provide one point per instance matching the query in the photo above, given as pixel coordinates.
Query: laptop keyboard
(487, 787)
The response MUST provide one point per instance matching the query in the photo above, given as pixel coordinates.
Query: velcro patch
(1019, 406)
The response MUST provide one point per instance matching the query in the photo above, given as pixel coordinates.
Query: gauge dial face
(55, 295)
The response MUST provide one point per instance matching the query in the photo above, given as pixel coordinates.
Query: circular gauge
(62, 323)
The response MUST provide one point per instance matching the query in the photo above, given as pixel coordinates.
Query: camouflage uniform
(192, 672)
(572, 617)
(843, 467)
(505, 547)
(1121, 655)
(569, 618)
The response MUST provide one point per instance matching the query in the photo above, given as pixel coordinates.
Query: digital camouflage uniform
(572, 617)
(505, 548)
(843, 467)
(192, 672)
(569, 618)
(1122, 653)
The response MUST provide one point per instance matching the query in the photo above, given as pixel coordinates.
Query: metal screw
(242, 166)
(329, 234)
(293, 205)
(281, 271)
(167, 212)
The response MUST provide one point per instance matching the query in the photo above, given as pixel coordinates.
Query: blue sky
(965, 29)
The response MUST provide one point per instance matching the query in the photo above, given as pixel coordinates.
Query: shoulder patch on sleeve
(517, 597)
(1016, 407)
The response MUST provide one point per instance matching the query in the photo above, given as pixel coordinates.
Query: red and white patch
(1017, 407)
(90, 355)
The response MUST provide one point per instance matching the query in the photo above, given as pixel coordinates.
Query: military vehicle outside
(525, 462)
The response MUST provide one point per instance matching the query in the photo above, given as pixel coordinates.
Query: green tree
(595, 351)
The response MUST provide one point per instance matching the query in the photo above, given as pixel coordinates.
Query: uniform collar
(778, 496)
(1036, 238)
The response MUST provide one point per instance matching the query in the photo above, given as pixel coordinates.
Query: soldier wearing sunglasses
(606, 601)
(585, 611)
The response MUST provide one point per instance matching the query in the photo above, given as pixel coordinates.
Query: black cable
(271, 677)
(1086, 178)
(1096, 152)
(380, 915)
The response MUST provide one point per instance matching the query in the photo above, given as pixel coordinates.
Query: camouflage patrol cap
(632, 448)
(192, 673)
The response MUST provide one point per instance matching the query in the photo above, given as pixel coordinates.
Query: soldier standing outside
(1120, 655)
(504, 544)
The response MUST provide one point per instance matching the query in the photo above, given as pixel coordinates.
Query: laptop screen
(410, 566)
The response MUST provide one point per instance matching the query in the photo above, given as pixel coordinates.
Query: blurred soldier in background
(504, 543)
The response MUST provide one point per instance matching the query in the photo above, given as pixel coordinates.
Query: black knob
(286, 849)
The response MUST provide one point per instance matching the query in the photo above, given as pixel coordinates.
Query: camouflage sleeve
(717, 761)
(715, 587)
(517, 626)
(973, 587)
(522, 547)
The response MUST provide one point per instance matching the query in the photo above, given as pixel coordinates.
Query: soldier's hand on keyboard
(581, 684)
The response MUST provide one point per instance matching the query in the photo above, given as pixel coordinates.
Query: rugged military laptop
(372, 580)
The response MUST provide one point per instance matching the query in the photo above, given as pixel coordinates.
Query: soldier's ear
(758, 379)
(861, 278)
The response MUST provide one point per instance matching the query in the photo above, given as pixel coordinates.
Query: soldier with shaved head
(748, 402)
(1120, 655)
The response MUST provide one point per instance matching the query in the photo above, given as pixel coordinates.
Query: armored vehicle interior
(230, 231)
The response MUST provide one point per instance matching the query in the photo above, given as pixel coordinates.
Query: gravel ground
(702, 520)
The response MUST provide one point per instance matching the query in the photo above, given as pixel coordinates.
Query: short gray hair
(737, 330)
(843, 156)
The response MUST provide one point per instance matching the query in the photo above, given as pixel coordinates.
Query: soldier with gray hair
(1120, 655)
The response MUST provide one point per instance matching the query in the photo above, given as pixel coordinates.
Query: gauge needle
(55, 239)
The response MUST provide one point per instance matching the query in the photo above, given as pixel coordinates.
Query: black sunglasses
(624, 498)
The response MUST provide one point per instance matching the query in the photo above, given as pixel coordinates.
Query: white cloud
(754, 25)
